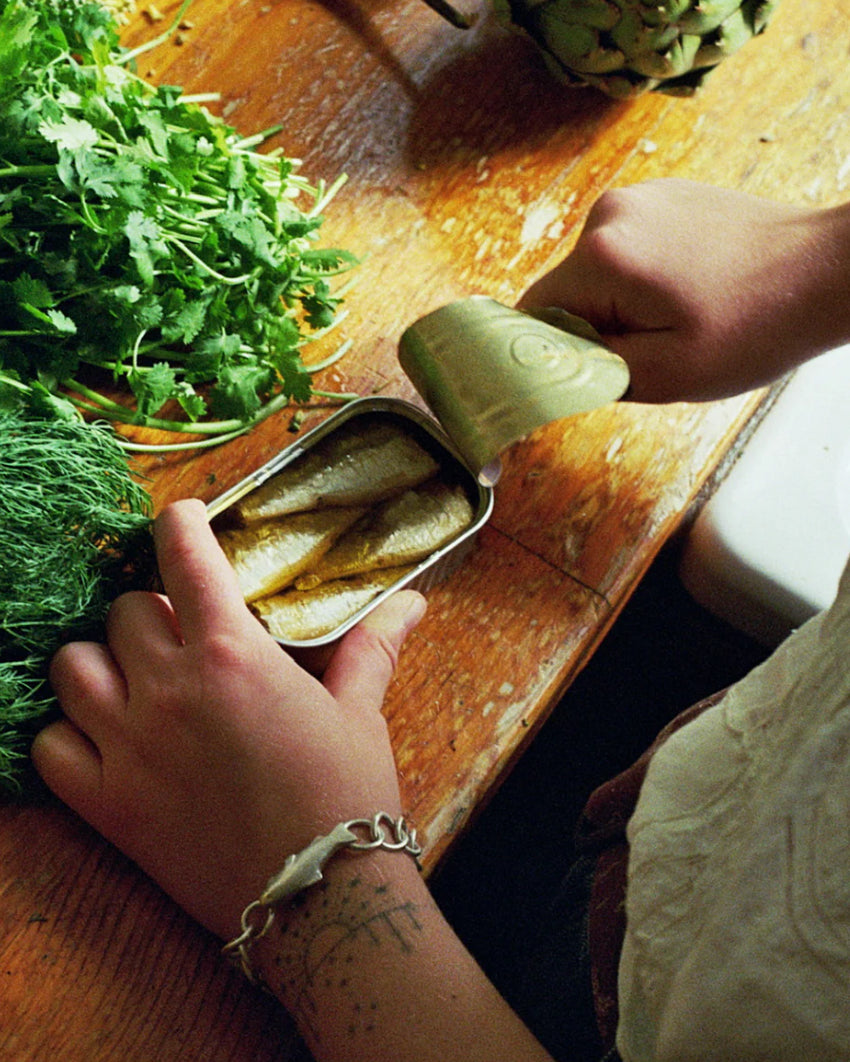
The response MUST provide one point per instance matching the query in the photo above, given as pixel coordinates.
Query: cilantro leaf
(54, 321)
(16, 29)
(70, 133)
(34, 292)
(237, 392)
(152, 388)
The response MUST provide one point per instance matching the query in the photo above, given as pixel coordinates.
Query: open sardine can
(381, 495)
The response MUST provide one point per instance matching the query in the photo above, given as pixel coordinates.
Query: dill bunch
(74, 532)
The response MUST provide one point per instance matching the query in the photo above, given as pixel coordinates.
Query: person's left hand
(195, 744)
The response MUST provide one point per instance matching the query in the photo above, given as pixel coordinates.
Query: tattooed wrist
(316, 950)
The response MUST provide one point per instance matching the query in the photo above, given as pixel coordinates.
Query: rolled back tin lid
(492, 374)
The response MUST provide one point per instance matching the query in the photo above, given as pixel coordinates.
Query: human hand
(194, 743)
(705, 292)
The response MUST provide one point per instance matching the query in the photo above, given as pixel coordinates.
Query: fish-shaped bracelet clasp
(304, 868)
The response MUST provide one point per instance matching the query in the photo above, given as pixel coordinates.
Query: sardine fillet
(270, 555)
(296, 615)
(403, 530)
(355, 467)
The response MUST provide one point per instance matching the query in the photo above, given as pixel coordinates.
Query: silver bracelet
(304, 869)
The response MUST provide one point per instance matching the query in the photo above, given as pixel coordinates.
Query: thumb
(365, 660)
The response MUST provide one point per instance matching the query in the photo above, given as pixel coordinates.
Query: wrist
(305, 869)
(833, 250)
(335, 951)
(799, 293)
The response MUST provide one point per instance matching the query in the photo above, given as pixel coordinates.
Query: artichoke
(626, 47)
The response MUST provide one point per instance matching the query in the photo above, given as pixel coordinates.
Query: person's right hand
(705, 292)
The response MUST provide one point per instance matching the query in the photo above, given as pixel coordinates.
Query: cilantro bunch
(143, 241)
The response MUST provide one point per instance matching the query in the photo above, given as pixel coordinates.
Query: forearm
(368, 968)
(829, 252)
(794, 297)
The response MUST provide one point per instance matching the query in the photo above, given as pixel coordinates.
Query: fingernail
(415, 607)
(400, 612)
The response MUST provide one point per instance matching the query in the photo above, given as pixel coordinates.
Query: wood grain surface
(470, 170)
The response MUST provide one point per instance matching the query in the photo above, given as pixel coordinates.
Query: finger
(573, 285)
(142, 632)
(197, 576)
(89, 684)
(314, 659)
(70, 765)
(363, 664)
(552, 289)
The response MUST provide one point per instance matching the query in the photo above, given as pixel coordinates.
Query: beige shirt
(738, 939)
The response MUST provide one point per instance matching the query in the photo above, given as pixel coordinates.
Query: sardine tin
(490, 374)
(426, 573)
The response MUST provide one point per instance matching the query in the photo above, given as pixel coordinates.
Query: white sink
(767, 550)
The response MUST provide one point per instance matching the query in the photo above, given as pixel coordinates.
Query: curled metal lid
(492, 374)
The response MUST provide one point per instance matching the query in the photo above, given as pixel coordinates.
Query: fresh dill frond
(74, 532)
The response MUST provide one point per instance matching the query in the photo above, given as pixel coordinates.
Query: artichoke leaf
(633, 36)
(677, 60)
(661, 12)
(707, 15)
(628, 47)
(758, 13)
(622, 85)
(598, 14)
(576, 47)
(731, 36)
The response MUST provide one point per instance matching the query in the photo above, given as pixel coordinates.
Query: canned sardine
(374, 499)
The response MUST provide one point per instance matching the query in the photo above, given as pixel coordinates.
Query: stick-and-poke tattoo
(316, 941)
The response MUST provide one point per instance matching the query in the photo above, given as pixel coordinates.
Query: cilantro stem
(218, 431)
(326, 363)
(136, 345)
(202, 444)
(337, 396)
(325, 194)
(196, 221)
(10, 381)
(201, 97)
(102, 401)
(93, 223)
(208, 268)
(196, 197)
(129, 416)
(32, 170)
(131, 54)
(247, 142)
(225, 430)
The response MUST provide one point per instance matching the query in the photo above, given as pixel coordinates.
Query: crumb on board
(122, 9)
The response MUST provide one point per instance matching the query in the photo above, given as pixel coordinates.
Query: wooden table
(469, 170)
